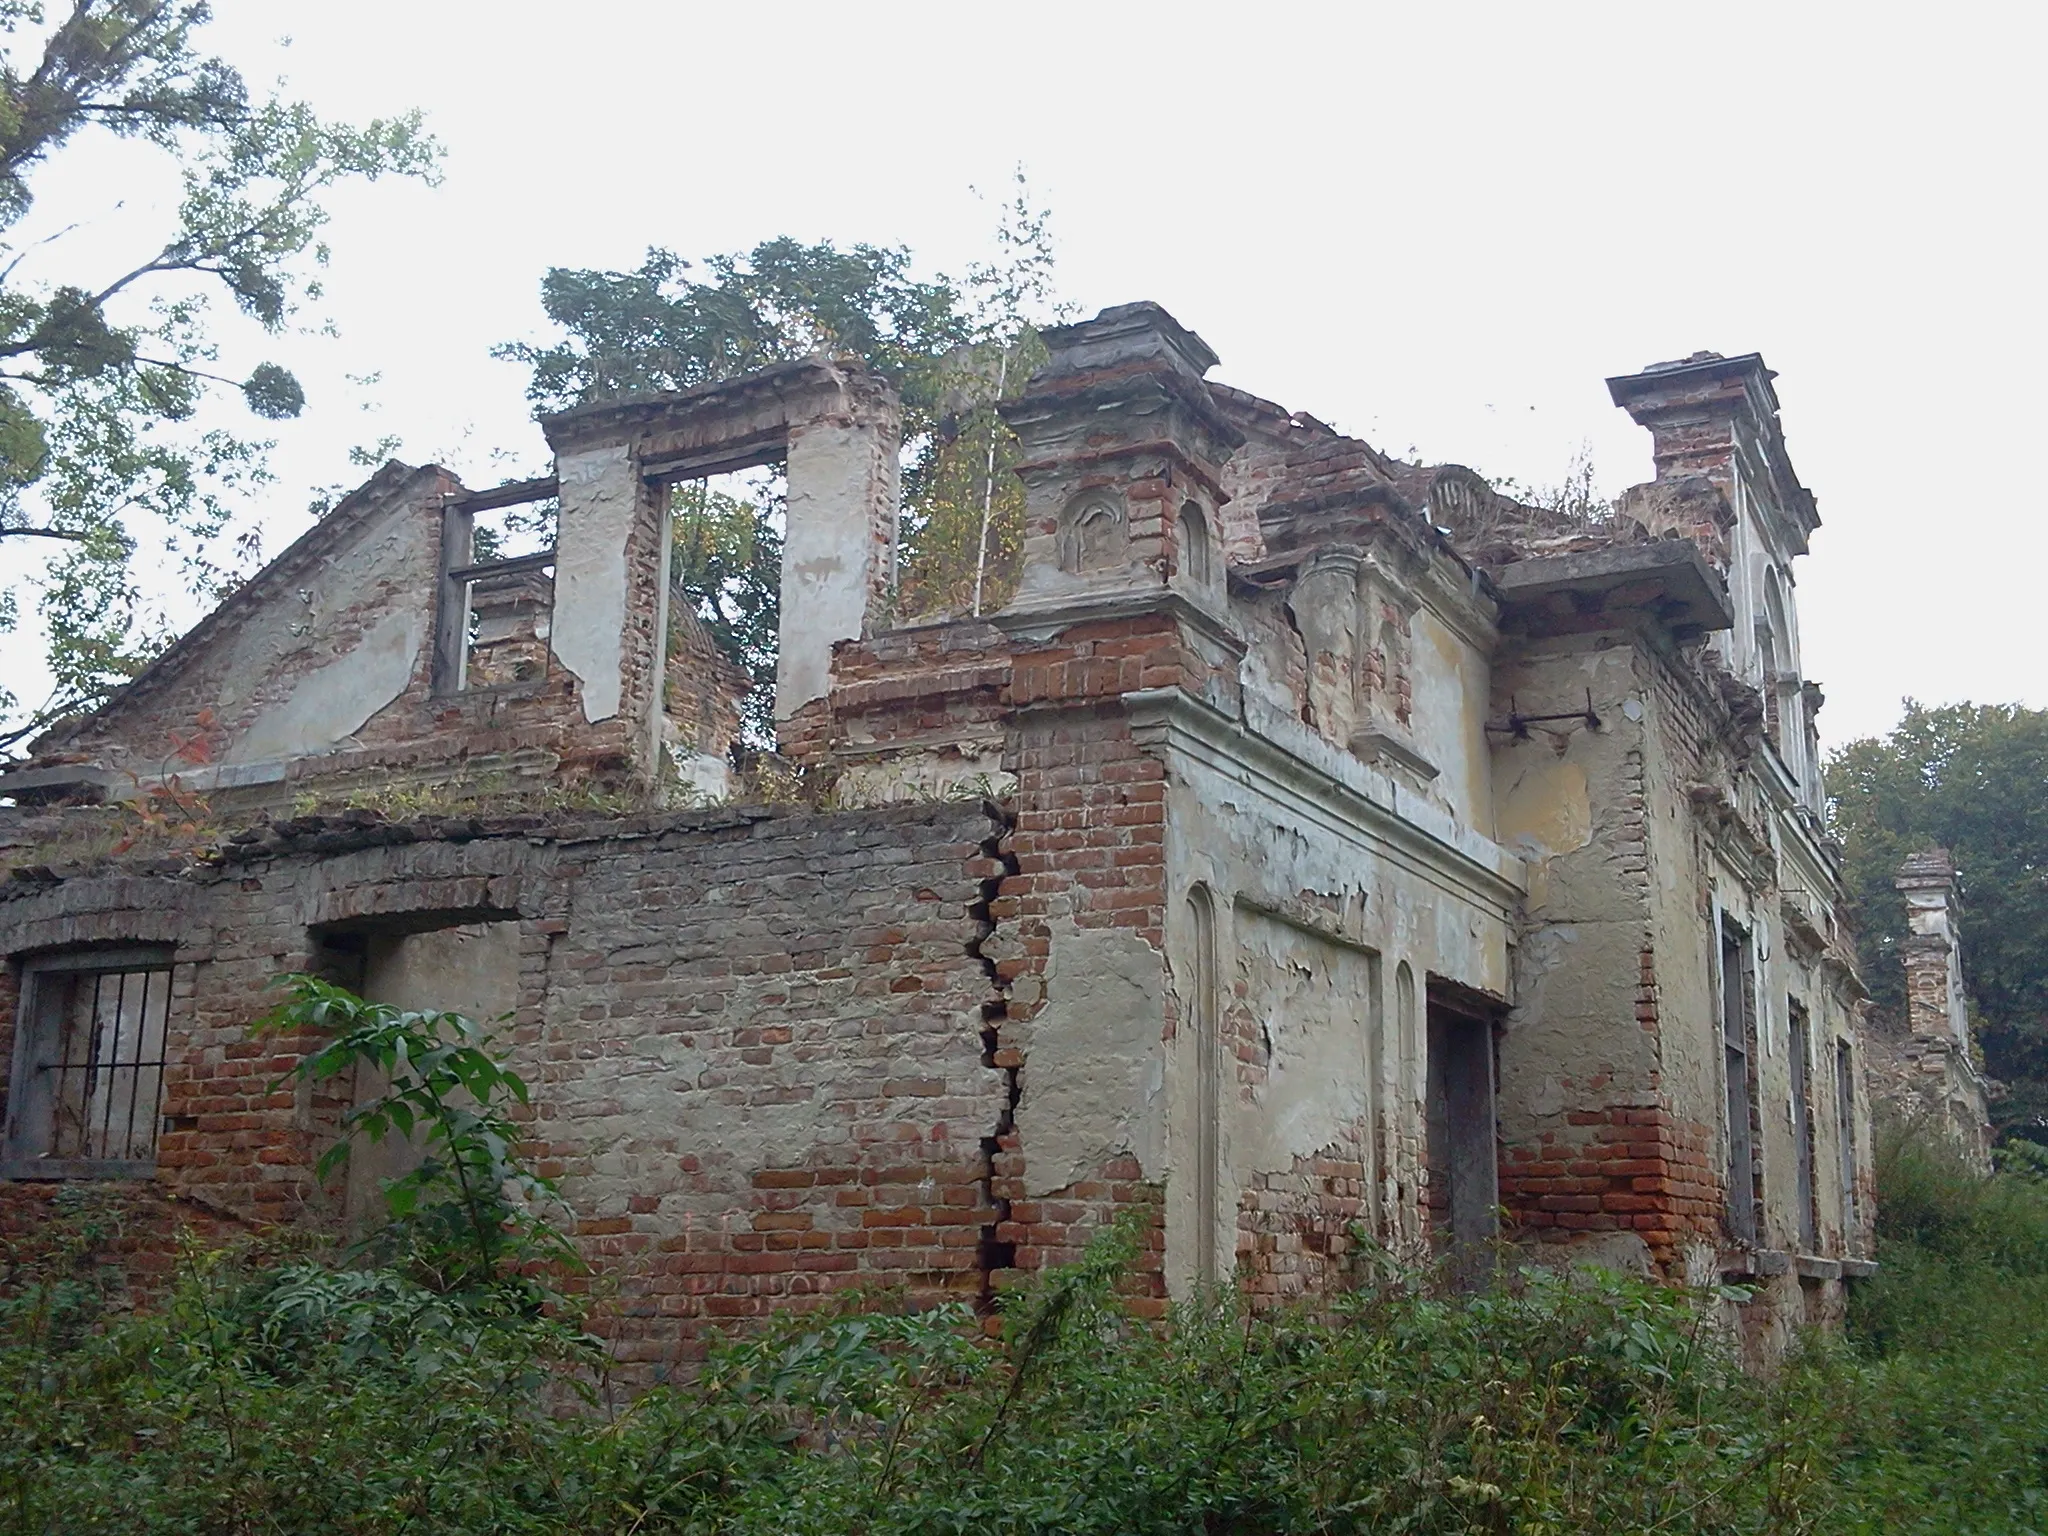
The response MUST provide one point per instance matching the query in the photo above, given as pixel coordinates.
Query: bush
(308, 1399)
(431, 1382)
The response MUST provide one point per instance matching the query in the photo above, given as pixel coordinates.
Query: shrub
(431, 1383)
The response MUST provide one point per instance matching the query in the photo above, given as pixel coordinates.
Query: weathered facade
(1318, 847)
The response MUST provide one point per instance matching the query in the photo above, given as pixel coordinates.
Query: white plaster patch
(703, 777)
(925, 776)
(330, 703)
(1313, 998)
(598, 500)
(826, 552)
(1094, 1073)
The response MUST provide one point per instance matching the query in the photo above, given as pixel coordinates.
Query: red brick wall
(681, 978)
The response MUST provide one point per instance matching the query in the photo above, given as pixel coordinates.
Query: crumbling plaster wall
(839, 554)
(601, 503)
(1612, 1091)
(298, 663)
(1579, 1054)
(1322, 884)
(1729, 845)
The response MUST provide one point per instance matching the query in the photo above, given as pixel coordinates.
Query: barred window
(87, 1091)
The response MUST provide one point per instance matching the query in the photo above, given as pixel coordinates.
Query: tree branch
(44, 533)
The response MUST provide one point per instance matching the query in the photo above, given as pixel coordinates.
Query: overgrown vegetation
(1974, 779)
(432, 1382)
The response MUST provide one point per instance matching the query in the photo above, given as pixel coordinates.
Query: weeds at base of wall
(438, 1383)
(311, 1398)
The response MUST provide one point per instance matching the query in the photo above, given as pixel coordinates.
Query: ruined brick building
(1316, 844)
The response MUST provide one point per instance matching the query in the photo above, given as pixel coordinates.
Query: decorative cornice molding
(1342, 794)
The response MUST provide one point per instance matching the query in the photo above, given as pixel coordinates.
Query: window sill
(1753, 1263)
(56, 1168)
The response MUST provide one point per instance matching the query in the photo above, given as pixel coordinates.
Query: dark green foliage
(1949, 1429)
(663, 327)
(470, 1214)
(309, 1400)
(446, 1389)
(952, 349)
(1974, 779)
(673, 324)
(100, 383)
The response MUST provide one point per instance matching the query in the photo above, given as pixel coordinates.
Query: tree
(950, 348)
(105, 375)
(1974, 779)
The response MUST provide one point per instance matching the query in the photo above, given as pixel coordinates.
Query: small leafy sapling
(470, 1214)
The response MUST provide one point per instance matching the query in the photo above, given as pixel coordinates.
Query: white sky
(1436, 226)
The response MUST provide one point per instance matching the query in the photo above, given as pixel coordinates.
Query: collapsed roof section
(382, 648)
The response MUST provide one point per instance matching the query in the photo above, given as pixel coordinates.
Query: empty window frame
(1801, 1045)
(87, 1092)
(1738, 1049)
(1845, 1137)
(497, 595)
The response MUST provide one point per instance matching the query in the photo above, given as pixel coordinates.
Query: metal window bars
(101, 1068)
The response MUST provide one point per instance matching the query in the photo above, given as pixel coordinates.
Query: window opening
(1738, 1044)
(1196, 558)
(497, 588)
(1802, 1124)
(1845, 1121)
(725, 598)
(90, 1086)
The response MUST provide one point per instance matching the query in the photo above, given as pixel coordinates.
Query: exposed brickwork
(755, 1042)
(1639, 1170)
(124, 1235)
(703, 688)
(1294, 1229)
(1089, 848)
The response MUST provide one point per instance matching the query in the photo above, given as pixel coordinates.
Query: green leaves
(103, 375)
(285, 1394)
(470, 1213)
(273, 394)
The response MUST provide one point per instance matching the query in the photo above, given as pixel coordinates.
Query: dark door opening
(1464, 1150)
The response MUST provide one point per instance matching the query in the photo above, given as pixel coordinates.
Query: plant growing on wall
(472, 1212)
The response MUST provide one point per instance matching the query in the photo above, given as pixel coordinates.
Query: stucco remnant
(1094, 1078)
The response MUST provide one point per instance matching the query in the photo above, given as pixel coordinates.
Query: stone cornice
(1332, 788)
(1041, 622)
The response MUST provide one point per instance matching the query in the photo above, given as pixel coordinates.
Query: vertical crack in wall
(994, 1254)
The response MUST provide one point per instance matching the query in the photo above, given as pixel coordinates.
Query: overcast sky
(1438, 227)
